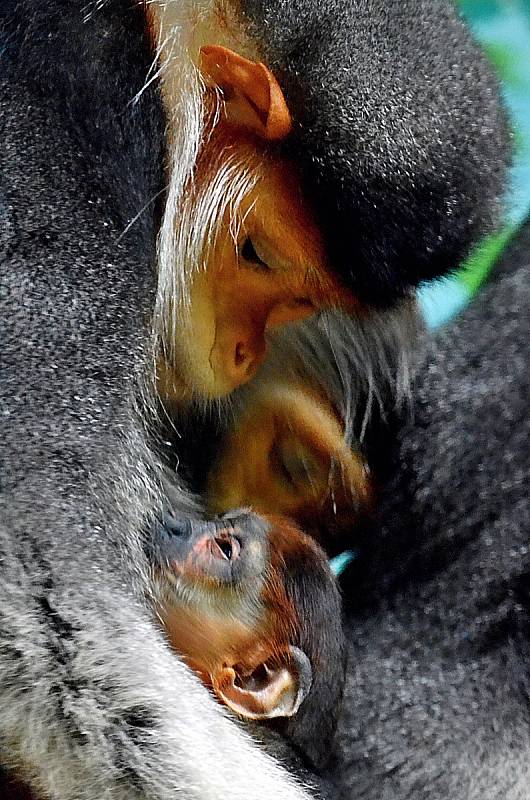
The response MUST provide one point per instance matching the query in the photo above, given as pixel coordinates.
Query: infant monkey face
(210, 575)
(225, 610)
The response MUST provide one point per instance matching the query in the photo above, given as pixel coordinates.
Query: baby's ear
(270, 690)
(253, 97)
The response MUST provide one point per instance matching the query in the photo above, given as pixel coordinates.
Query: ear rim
(257, 96)
(292, 656)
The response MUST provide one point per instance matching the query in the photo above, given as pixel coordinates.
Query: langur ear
(269, 691)
(253, 97)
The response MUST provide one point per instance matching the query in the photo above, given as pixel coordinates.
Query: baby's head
(287, 454)
(255, 610)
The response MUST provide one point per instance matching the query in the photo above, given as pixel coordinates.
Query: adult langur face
(264, 265)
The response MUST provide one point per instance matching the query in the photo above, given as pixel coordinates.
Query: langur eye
(248, 253)
(303, 302)
(294, 465)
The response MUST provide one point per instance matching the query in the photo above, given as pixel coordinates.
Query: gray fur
(437, 704)
(93, 704)
(361, 363)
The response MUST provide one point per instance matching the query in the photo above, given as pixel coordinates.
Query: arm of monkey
(93, 703)
(107, 710)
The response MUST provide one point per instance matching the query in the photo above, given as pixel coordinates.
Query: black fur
(314, 594)
(437, 702)
(398, 130)
(88, 61)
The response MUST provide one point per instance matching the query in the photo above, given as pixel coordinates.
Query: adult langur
(397, 147)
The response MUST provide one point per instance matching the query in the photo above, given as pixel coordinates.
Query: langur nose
(225, 546)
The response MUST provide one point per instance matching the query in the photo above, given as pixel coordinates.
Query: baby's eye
(248, 253)
(303, 303)
(295, 465)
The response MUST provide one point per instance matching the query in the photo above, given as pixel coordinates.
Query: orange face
(271, 273)
(208, 641)
(287, 455)
(262, 262)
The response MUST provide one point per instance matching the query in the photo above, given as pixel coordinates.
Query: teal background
(503, 29)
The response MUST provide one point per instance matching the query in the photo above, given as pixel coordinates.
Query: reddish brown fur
(241, 646)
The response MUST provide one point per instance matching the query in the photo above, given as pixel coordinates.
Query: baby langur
(287, 454)
(254, 609)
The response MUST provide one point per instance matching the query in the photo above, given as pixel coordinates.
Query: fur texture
(93, 703)
(398, 129)
(437, 703)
